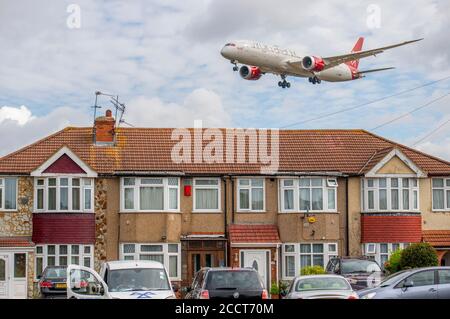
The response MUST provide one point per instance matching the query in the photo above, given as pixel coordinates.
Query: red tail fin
(358, 47)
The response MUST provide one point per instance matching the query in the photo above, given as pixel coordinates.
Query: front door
(259, 260)
(4, 274)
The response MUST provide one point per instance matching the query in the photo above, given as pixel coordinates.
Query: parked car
(321, 287)
(233, 283)
(361, 272)
(120, 280)
(419, 283)
(52, 282)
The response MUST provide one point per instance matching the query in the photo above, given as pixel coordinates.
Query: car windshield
(218, 280)
(356, 265)
(393, 278)
(325, 283)
(138, 279)
(55, 273)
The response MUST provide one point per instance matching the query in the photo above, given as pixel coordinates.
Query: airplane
(259, 59)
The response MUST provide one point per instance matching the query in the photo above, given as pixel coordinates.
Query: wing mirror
(408, 284)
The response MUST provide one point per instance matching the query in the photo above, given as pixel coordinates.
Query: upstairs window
(64, 194)
(8, 193)
(441, 194)
(150, 194)
(251, 194)
(308, 194)
(207, 194)
(390, 194)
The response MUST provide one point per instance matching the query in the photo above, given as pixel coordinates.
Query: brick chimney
(104, 129)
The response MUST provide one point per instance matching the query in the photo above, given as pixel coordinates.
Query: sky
(162, 58)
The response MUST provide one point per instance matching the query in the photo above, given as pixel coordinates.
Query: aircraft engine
(313, 63)
(250, 72)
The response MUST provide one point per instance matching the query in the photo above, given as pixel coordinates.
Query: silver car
(321, 287)
(419, 283)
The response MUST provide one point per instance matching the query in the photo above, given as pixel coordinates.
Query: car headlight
(369, 295)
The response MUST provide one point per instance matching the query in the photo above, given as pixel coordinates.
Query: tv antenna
(118, 106)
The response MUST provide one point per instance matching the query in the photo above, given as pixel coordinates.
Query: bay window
(295, 256)
(390, 194)
(8, 193)
(68, 194)
(251, 194)
(63, 255)
(207, 194)
(380, 252)
(167, 254)
(441, 194)
(308, 194)
(150, 194)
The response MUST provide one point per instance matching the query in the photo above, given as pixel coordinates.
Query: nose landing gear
(284, 84)
(235, 67)
(314, 80)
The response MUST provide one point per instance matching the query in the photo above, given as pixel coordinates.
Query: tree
(418, 255)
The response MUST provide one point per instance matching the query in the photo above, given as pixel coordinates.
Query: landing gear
(235, 67)
(284, 84)
(314, 80)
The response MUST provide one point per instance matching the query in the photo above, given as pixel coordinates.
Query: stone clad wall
(19, 222)
(100, 202)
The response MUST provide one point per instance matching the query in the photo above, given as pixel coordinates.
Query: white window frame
(44, 255)
(413, 186)
(3, 188)
(376, 253)
(296, 188)
(327, 255)
(219, 194)
(446, 190)
(165, 252)
(58, 209)
(136, 194)
(249, 188)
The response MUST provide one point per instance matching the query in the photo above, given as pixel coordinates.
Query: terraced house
(91, 194)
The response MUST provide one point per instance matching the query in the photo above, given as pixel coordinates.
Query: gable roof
(149, 150)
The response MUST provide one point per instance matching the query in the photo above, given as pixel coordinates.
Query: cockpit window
(230, 45)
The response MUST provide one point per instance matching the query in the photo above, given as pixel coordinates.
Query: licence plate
(61, 286)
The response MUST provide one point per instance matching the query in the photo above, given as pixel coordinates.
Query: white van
(120, 280)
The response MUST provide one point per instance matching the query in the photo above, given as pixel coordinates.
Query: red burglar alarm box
(187, 190)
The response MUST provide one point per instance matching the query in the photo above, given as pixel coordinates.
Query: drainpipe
(347, 231)
(232, 200)
(225, 220)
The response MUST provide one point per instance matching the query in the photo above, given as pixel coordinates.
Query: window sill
(251, 211)
(8, 210)
(207, 211)
(62, 212)
(440, 210)
(310, 212)
(149, 212)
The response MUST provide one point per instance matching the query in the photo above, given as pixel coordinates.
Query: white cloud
(21, 115)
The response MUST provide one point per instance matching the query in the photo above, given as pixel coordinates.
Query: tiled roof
(16, 242)
(437, 238)
(253, 233)
(149, 149)
(390, 228)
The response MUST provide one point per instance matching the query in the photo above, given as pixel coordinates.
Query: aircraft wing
(336, 60)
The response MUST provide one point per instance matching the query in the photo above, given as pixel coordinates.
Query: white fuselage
(275, 60)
